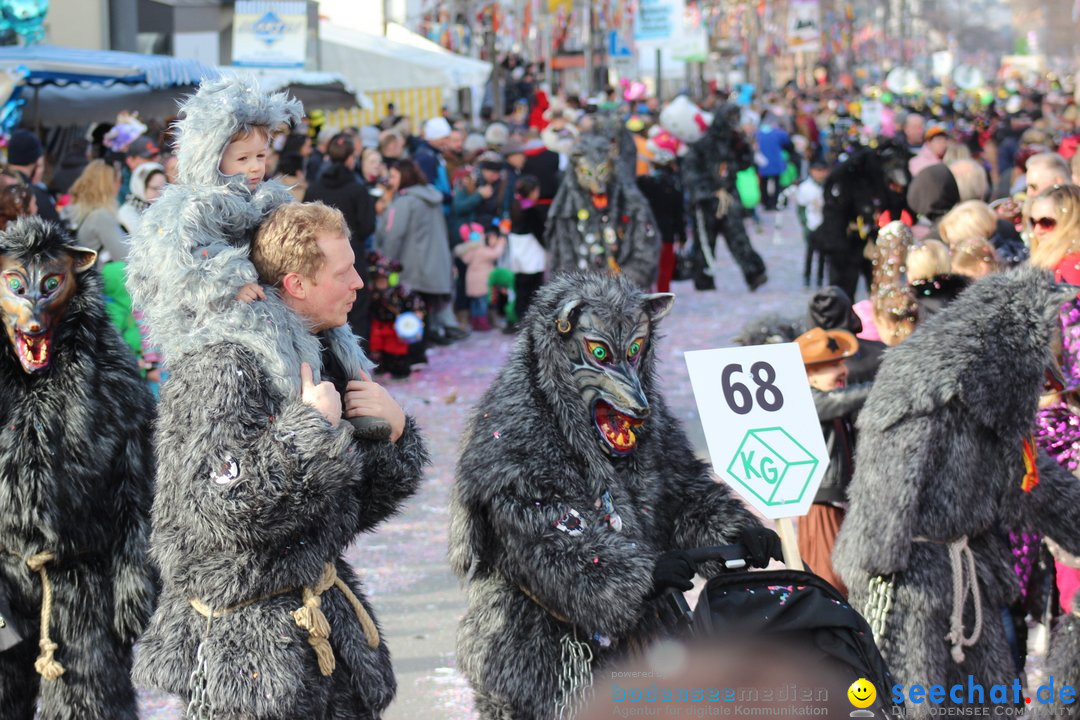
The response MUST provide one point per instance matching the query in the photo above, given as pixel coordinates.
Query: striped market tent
(420, 104)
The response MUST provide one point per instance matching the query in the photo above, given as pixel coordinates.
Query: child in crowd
(810, 204)
(528, 258)
(389, 301)
(823, 353)
(479, 250)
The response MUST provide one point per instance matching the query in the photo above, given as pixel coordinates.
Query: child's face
(535, 194)
(827, 376)
(247, 156)
(819, 174)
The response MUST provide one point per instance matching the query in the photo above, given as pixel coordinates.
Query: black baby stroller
(783, 607)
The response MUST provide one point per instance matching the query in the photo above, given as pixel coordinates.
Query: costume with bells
(599, 220)
(946, 467)
(716, 151)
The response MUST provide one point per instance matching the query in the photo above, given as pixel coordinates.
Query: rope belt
(964, 583)
(558, 616)
(46, 664)
(310, 616)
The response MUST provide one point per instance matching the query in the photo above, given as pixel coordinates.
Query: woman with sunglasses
(1055, 227)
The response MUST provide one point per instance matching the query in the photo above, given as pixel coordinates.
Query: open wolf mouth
(616, 428)
(33, 350)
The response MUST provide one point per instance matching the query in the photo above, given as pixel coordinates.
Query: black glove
(673, 569)
(762, 545)
(370, 428)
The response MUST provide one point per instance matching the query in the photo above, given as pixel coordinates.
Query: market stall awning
(323, 90)
(373, 63)
(50, 65)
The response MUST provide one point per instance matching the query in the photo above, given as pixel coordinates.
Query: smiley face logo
(862, 693)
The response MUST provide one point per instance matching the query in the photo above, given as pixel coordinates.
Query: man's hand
(323, 397)
(250, 293)
(367, 398)
(486, 191)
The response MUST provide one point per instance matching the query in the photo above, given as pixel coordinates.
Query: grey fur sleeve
(885, 508)
(133, 581)
(596, 579)
(703, 512)
(393, 472)
(274, 475)
(645, 240)
(1052, 508)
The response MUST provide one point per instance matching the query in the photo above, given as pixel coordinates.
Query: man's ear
(293, 284)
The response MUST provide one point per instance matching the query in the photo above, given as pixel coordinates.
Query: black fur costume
(76, 474)
(554, 536)
(709, 166)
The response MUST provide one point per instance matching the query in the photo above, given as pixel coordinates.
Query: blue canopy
(51, 65)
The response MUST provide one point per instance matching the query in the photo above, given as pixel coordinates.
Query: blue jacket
(771, 143)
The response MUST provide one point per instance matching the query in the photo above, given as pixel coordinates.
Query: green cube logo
(773, 466)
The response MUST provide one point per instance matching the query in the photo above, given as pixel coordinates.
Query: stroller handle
(732, 556)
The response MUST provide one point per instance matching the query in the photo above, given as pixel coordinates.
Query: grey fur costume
(191, 253)
(580, 236)
(256, 492)
(940, 458)
(76, 474)
(532, 459)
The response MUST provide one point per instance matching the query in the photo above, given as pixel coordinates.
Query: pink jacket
(480, 260)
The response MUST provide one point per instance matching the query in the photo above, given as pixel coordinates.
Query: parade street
(404, 565)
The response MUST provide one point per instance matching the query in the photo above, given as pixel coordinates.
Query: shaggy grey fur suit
(256, 492)
(76, 479)
(531, 455)
(940, 458)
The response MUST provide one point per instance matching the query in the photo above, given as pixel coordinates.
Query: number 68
(738, 396)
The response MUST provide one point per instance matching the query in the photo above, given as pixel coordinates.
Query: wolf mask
(594, 163)
(604, 346)
(39, 274)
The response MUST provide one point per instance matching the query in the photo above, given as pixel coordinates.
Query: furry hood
(988, 352)
(139, 177)
(218, 111)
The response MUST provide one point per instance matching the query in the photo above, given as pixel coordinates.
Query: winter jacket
(663, 190)
(339, 189)
(413, 232)
(772, 141)
(480, 259)
(99, 231)
(543, 164)
(836, 411)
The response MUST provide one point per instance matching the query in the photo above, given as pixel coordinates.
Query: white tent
(372, 63)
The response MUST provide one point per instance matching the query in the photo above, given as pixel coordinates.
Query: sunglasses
(1046, 223)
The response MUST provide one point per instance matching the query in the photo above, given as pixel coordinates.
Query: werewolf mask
(594, 163)
(605, 353)
(38, 277)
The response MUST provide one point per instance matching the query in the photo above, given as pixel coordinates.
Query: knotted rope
(46, 664)
(964, 584)
(310, 616)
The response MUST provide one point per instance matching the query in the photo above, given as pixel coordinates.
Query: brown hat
(820, 346)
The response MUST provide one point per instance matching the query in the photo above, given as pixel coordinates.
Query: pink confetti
(496, 434)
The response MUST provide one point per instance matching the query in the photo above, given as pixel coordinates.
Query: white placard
(760, 424)
(269, 34)
(804, 26)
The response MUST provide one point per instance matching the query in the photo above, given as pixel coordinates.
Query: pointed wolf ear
(564, 323)
(657, 305)
(84, 258)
